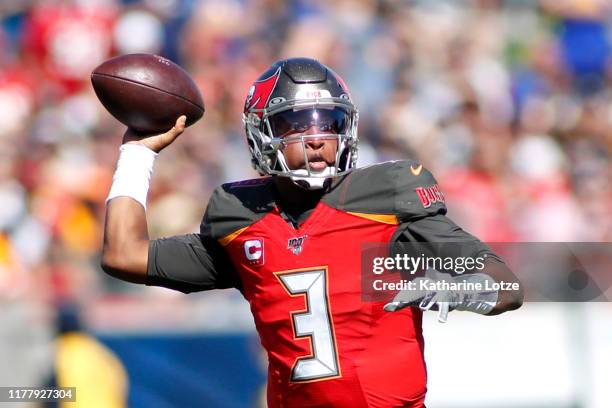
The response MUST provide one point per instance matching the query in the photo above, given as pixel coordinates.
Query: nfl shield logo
(295, 244)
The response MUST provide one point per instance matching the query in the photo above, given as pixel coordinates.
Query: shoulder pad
(234, 206)
(418, 193)
(403, 188)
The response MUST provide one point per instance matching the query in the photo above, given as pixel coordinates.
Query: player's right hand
(156, 142)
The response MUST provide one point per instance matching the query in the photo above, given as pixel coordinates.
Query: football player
(291, 243)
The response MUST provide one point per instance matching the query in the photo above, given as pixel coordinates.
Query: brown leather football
(147, 92)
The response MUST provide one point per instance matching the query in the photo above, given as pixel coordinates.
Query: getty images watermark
(412, 265)
(572, 272)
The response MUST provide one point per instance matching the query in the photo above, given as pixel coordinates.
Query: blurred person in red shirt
(66, 40)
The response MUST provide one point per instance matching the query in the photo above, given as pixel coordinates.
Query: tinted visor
(327, 120)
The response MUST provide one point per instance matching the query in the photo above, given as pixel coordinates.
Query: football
(147, 92)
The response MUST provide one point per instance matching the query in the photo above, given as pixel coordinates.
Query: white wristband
(133, 174)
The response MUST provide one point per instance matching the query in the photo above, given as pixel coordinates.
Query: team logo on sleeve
(429, 195)
(254, 251)
(295, 244)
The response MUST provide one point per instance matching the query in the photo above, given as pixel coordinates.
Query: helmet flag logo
(260, 92)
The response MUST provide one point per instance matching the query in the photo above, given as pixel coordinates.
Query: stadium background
(507, 102)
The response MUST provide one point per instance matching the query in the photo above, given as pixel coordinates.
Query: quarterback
(290, 242)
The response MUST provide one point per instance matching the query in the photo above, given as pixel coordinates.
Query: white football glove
(446, 300)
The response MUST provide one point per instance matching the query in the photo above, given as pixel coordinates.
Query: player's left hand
(444, 300)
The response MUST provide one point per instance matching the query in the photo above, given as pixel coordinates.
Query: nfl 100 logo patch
(295, 244)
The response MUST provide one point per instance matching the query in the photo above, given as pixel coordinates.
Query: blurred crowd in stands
(509, 103)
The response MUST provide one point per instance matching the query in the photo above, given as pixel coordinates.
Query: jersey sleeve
(417, 193)
(235, 206)
(403, 189)
(197, 262)
(446, 237)
(189, 263)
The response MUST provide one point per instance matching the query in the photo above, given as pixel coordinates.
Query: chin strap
(313, 183)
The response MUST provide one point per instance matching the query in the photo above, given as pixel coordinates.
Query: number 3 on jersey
(314, 322)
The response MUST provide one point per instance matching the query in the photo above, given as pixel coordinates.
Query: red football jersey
(326, 346)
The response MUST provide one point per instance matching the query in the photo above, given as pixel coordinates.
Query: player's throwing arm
(150, 95)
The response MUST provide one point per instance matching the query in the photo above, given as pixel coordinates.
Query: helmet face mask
(291, 98)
